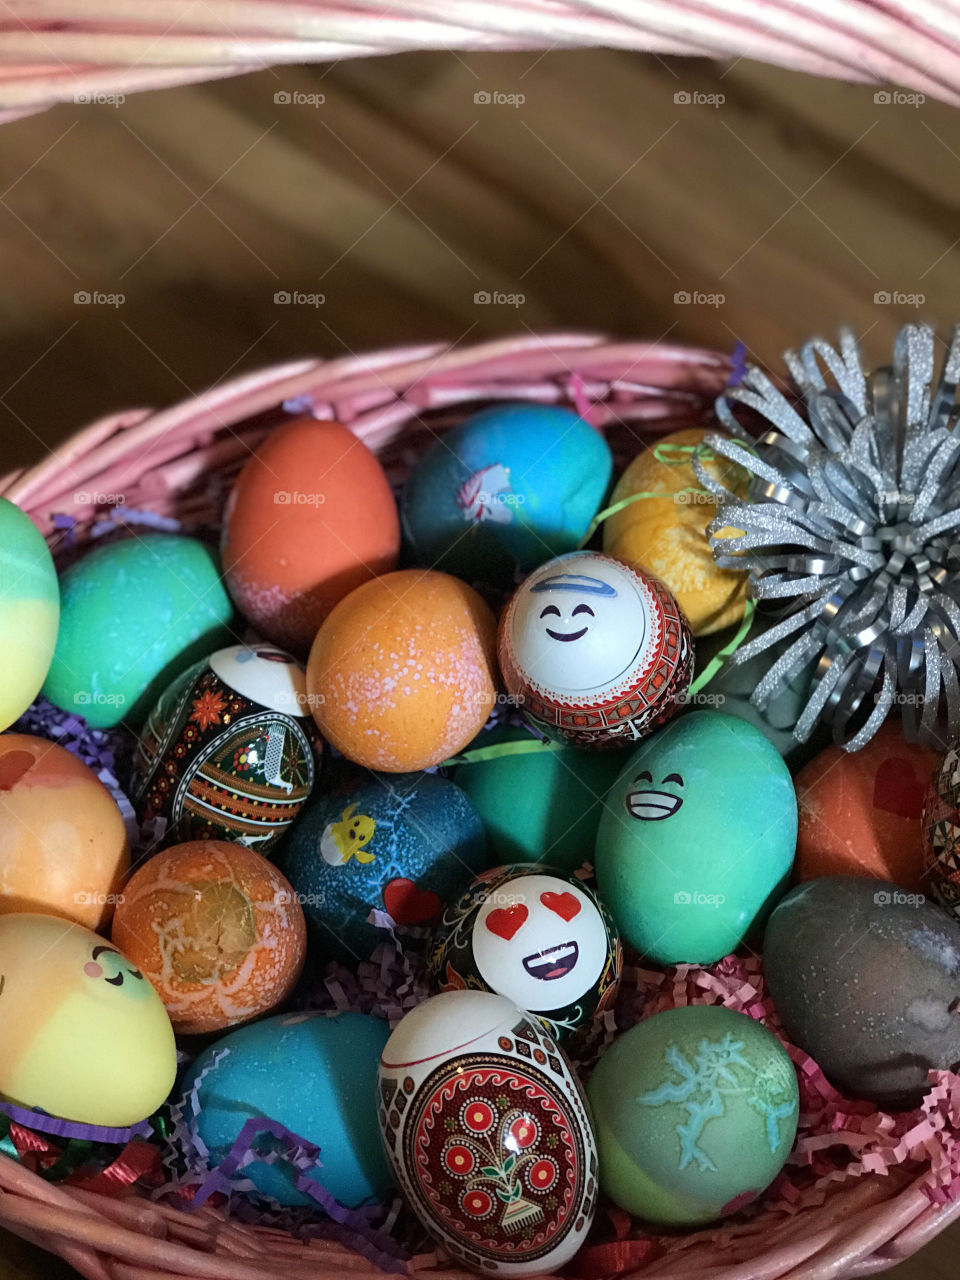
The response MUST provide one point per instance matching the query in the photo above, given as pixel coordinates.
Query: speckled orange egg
(403, 672)
(63, 843)
(310, 518)
(217, 930)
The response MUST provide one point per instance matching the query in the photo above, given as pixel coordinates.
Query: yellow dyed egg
(29, 611)
(666, 536)
(85, 1036)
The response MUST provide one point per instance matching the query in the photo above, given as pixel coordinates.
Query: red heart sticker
(505, 921)
(564, 904)
(406, 904)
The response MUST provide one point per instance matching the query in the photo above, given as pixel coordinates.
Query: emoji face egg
(227, 752)
(488, 1131)
(29, 611)
(543, 940)
(217, 930)
(85, 1036)
(594, 651)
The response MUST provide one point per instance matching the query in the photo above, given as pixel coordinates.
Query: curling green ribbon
(523, 747)
(719, 660)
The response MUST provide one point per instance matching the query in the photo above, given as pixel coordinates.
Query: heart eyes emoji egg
(540, 938)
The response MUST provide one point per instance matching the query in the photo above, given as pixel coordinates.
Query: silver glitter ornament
(852, 521)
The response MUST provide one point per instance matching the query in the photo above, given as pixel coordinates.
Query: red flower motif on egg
(208, 708)
(477, 1116)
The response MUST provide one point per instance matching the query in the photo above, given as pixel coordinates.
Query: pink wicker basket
(180, 462)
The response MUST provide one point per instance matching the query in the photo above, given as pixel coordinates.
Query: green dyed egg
(695, 1112)
(540, 805)
(29, 611)
(134, 615)
(697, 838)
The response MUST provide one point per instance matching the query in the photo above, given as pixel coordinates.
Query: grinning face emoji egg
(543, 940)
(595, 649)
(85, 1036)
(648, 801)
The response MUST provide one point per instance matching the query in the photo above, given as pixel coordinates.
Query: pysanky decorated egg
(310, 517)
(85, 1036)
(29, 611)
(217, 930)
(489, 1134)
(375, 851)
(696, 839)
(509, 487)
(940, 833)
(227, 752)
(593, 651)
(540, 938)
(695, 1111)
(538, 805)
(403, 672)
(864, 978)
(63, 842)
(316, 1076)
(666, 536)
(861, 811)
(134, 614)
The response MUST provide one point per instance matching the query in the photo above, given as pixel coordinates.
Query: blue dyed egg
(314, 1074)
(380, 850)
(697, 838)
(512, 486)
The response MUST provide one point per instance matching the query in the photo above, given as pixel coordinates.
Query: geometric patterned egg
(489, 1134)
(941, 833)
(228, 751)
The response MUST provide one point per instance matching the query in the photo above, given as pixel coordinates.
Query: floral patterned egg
(228, 752)
(489, 1134)
(535, 935)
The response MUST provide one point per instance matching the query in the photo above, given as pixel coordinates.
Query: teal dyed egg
(510, 487)
(695, 1112)
(134, 614)
(697, 838)
(539, 805)
(317, 1076)
(29, 611)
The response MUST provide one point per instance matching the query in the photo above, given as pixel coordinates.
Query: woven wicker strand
(67, 50)
(179, 462)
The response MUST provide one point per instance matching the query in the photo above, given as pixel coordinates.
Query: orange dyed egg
(63, 843)
(217, 930)
(403, 672)
(310, 518)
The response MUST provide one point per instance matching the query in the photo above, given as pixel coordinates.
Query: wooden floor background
(619, 185)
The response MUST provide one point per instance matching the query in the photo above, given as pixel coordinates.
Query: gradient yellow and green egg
(29, 611)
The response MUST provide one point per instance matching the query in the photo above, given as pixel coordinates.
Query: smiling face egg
(85, 1037)
(542, 940)
(594, 649)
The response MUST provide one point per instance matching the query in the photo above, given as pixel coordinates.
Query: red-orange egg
(403, 672)
(310, 518)
(63, 843)
(217, 930)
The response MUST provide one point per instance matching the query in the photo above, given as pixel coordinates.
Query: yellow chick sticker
(348, 838)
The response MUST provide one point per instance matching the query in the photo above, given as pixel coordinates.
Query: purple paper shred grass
(57, 1128)
(122, 517)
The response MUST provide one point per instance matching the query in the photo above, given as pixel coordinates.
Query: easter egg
(134, 614)
(593, 651)
(63, 842)
(860, 811)
(311, 516)
(539, 805)
(696, 839)
(509, 487)
(489, 1135)
(403, 672)
(864, 978)
(696, 1110)
(541, 939)
(940, 833)
(29, 611)
(666, 536)
(374, 851)
(227, 752)
(312, 1073)
(217, 930)
(85, 1036)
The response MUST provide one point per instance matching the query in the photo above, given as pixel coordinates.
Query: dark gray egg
(866, 979)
